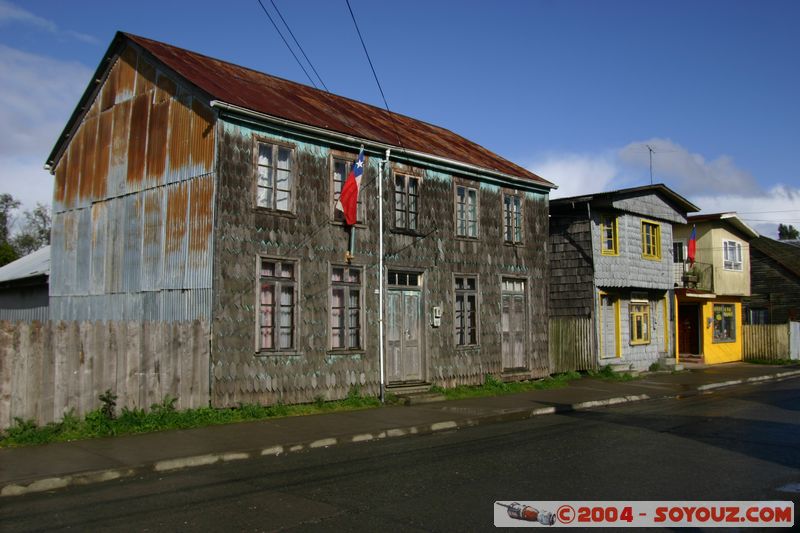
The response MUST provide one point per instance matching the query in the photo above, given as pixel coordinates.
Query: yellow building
(709, 292)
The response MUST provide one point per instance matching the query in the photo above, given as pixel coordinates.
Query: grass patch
(772, 361)
(494, 387)
(105, 422)
(607, 373)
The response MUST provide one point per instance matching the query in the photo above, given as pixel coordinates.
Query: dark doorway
(688, 329)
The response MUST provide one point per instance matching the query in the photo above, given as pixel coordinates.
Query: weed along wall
(423, 262)
(48, 369)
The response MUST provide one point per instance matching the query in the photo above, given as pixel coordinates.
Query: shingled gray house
(191, 189)
(611, 263)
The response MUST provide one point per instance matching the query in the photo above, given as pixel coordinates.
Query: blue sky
(573, 90)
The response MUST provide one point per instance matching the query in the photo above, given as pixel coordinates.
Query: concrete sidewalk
(41, 468)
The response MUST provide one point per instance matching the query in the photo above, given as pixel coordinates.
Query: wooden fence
(571, 344)
(768, 341)
(48, 368)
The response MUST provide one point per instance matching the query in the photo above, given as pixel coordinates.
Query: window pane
(267, 268)
(265, 154)
(284, 158)
(337, 274)
(287, 270)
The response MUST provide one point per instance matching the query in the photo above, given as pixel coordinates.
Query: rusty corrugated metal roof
(293, 101)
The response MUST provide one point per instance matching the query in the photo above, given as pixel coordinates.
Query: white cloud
(762, 212)
(686, 172)
(713, 185)
(9, 13)
(37, 96)
(577, 173)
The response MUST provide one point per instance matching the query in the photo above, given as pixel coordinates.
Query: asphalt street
(738, 444)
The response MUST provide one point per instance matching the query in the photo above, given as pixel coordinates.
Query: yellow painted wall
(721, 352)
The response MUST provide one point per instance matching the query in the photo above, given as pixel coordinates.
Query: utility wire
(287, 44)
(385, 103)
(298, 44)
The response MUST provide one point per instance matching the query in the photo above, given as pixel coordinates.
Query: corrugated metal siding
(134, 203)
(24, 304)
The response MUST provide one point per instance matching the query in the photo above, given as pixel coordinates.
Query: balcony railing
(697, 276)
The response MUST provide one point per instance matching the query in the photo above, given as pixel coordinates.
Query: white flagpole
(380, 272)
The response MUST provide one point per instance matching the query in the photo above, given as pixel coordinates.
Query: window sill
(359, 351)
(718, 341)
(465, 238)
(514, 244)
(274, 212)
(642, 343)
(651, 258)
(279, 353)
(468, 347)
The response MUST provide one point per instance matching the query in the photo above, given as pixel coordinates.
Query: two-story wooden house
(774, 282)
(709, 292)
(611, 262)
(191, 189)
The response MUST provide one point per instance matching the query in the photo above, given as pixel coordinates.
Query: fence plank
(571, 341)
(765, 341)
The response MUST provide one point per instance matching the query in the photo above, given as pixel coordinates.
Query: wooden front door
(688, 330)
(513, 325)
(404, 354)
(609, 326)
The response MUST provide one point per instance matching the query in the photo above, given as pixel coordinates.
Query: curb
(170, 465)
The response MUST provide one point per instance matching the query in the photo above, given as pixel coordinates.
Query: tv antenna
(653, 151)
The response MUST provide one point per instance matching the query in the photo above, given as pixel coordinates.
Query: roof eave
(233, 109)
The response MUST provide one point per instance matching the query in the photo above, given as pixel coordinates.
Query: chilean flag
(692, 245)
(348, 199)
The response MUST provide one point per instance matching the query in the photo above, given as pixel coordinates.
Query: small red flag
(348, 199)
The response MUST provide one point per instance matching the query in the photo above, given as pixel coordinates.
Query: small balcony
(699, 276)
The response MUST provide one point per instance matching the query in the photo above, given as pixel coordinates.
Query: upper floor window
(345, 312)
(275, 177)
(609, 241)
(512, 218)
(466, 310)
(466, 212)
(732, 255)
(678, 252)
(651, 240)
(341, 169)
(277, 305)
(406, 202)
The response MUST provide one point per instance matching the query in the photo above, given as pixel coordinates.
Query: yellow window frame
(639, 312)
(614, 227)
(651, 231)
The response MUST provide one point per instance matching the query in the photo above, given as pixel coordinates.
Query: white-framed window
(275, 177)
(679, 252)
(466, 212)
(345, 313)
(466, 310)
(732, 255)
(277, 301)
(512, 218)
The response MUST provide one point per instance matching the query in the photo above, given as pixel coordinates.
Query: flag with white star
(348, 199)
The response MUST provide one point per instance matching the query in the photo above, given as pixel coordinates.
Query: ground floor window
(277, 295)
(724, 323)
(640, 323)
(466, 310)
(345, 308)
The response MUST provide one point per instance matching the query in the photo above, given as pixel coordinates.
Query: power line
(385, 103)
(298, 44)
(287, 44)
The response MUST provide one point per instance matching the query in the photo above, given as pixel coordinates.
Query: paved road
(740, 444)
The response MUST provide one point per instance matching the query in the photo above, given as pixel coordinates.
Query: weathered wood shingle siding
(629, 268)
(571, 266)
(773, 288)
(243, 233)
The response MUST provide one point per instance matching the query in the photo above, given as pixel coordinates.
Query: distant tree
(7, 205)
(787, 233)
(7, 253)
(35, 232)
